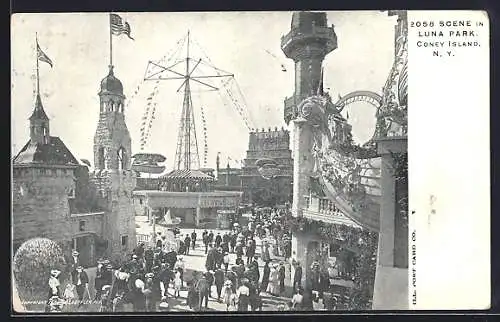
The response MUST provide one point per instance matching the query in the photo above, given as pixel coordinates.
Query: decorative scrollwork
(393, 114)
(337, 159)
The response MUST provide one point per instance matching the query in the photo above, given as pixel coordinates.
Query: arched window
(122, 159)
(100, 158)
(45, 134)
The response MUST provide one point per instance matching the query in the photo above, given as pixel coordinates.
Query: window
(124, 241)
(140, 201)
(81, 225)
(122, 159)
(53, 172)
(71, 193)
(307, 201)
(43, 171)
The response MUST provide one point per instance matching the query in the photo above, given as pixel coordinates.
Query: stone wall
(40, 205)
(116, 190)
(111, 134)
(93, 223)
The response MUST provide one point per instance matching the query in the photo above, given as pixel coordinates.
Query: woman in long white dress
(273, 286)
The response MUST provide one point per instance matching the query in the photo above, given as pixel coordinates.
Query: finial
(269, 129)
(276, 129)
(111, 69)
(263, 130)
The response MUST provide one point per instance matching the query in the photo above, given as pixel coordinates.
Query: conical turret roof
(38, 112)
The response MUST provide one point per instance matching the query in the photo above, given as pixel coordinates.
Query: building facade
(113, 177)
(344, 196)
(274, 146)
(56, 197)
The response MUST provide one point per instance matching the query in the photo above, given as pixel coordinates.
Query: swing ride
(187, 156)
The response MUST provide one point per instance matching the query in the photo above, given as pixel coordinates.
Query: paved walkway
(195, 261)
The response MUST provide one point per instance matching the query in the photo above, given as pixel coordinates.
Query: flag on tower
(42, 56)
(119, 26)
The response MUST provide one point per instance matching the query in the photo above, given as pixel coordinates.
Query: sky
(246, 44)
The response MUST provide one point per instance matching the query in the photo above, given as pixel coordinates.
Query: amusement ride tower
(307, 43)
(187, 153)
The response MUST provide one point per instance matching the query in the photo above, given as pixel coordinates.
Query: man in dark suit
(81, 281)
(73, 263)
(193, 239)
(282, 277)
(297, 277)
(219, 282)
(211, 237)
(203, 289)
(218, 240)
(205, 241)
(149, 256)
(187, 243)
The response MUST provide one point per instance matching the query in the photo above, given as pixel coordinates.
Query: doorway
(85, 245)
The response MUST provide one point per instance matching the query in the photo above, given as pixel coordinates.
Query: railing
(143, 238)
(299, 33)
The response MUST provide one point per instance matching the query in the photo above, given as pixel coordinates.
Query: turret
(307, 43)
(39, 124)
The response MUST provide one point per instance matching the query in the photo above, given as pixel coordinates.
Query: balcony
(318, 33)
(325, 210)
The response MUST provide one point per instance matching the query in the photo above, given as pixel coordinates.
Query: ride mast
(187, 153)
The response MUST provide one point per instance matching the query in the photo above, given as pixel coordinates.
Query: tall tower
(113, 176)
(307, 43)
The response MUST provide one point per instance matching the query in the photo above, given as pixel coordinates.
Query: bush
(32, 264)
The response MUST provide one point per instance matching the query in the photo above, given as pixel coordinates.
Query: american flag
(119, 26)
(42, 56)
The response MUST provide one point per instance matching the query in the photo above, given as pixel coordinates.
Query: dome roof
(110, 84)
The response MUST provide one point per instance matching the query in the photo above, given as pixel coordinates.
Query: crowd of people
(143, 280)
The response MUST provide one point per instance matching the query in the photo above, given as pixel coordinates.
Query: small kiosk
(225, 218)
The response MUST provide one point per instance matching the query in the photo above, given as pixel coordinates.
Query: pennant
(119, 26)
(42, 56)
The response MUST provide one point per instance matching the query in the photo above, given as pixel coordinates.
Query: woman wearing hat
(98, 280)
(230, 298)
(54, 286)
(243, 294)
(105, 294)
(273, 287)
(149, 293)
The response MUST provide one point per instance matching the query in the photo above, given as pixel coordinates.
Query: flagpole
(110, 44)
(37, 68)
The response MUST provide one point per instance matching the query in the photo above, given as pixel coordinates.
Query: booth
(225, 218)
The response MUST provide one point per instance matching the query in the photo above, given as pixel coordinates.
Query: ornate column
(391, 277)
(302, 163)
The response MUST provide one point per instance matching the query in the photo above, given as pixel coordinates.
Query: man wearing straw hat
(74, 262)
(81, 280)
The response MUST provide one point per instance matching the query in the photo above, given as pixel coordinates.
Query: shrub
(32, 264)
